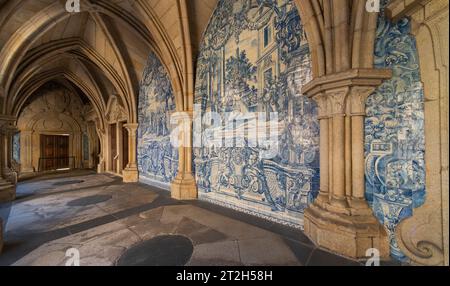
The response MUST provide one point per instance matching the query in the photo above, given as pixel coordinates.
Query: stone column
(131, 174)
(337, 98)
(424, 237)
(101, 167)
(3, 150)
(6, 149)
(356, 114)
(7, 175)
(119, 142)
(77, 149)
(26, 154)
(324, 193)
(344, 224)
(184, 186)
(107, 149)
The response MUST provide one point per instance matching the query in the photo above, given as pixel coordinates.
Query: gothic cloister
(353, 96)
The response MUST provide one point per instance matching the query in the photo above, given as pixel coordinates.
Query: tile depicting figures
(157, 159)
(252, 65)
(395, 139)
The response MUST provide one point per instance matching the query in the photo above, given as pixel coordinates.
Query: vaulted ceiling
(102, 49)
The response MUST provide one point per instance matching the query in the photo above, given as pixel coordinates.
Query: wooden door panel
(54, 152)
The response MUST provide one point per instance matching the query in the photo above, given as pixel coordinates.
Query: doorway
(54, 152)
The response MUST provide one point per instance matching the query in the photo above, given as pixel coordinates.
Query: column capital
(131, 127)
(7, 124)
(337, 100)
(356, 83)
(323, 104)
(358, 97)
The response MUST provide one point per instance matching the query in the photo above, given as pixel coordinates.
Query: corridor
(111, 223)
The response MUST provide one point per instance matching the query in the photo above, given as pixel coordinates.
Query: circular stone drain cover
(68, 183)
(91, 200)
(165, 250)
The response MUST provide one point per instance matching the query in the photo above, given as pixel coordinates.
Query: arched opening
(54, 130)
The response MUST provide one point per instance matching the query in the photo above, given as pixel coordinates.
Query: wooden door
(54, 152)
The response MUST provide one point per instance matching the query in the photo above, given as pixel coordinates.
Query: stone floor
(112, 223)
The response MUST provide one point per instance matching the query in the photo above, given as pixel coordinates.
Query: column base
(348, 235)
(184, 188)
(7, 194)
(130, 175)
(101, 168)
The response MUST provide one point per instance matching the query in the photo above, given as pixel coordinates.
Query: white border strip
(154, 183)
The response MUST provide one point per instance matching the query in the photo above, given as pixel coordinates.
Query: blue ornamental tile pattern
(255, 58)
(85, 147)
(16, 147)
(157, 159)
(394, 131)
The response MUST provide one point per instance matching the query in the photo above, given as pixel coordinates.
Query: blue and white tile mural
(255, 58)
(85, 147)
(16, 147)
(157, 159)
(395, 147)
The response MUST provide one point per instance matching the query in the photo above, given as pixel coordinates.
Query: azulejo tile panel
(157, 159)
(85, 147)
(255, 59)
(16, 147)
(394, 143)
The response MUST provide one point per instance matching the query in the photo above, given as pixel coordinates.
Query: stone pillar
(8, 177)
(119, 144)
(340, 219)
(4, 150)
(107, 149)
(131, 174)
(101, 167)
(26, 154)
(77, 149)
(6, 138)
(184, 186)
(424, 237)
(323, 117)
